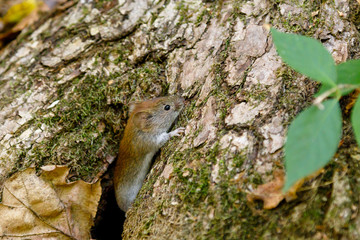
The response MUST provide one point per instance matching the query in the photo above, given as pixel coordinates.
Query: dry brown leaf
(24, 22)
(46, 206)
(271, 193)
(352, 99)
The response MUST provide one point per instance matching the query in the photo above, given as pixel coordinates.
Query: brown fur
(147, 121)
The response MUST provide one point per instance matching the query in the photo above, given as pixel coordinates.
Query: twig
(318, 101)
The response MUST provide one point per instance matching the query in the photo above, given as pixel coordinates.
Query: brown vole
(145, 133)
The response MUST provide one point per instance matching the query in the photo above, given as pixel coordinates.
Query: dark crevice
(109, 220)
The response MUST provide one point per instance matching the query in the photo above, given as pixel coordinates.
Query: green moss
(355, 14)
(96, 62)
(205, 13)
(24, 34)
(15, 88)
(45, 34)
(292, 98)
(223, 201)
(90, 119)
(184, 12)
(304, 23)
(256, 92)
(148, 225)
(85, 10)
(237, 13)
(101, 3)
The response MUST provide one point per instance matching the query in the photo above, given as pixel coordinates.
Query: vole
(145, 133)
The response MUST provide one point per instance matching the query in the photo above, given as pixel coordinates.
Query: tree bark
(65, 86)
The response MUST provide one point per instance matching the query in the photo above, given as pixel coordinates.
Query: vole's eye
(167, 107)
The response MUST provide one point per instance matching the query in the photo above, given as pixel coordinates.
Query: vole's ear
(141, 120)
(132, 106)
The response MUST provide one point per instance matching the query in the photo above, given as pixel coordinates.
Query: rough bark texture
(65, 87)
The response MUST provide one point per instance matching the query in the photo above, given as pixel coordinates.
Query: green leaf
(349, 72)
(323, 89)
(355, 120)
(312, 141)
(306, 56)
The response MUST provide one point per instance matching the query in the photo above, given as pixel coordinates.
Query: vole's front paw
(177, 132)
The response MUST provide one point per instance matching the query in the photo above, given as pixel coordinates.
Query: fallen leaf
(46, 206)
(350, 102)
(18, 11)
(15, 20)
(271, 193)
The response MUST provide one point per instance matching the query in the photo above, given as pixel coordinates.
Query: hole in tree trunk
(109, 218)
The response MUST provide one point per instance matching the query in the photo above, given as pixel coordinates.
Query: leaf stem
(318, 101)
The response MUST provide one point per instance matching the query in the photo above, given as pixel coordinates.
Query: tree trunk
(65, 86)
